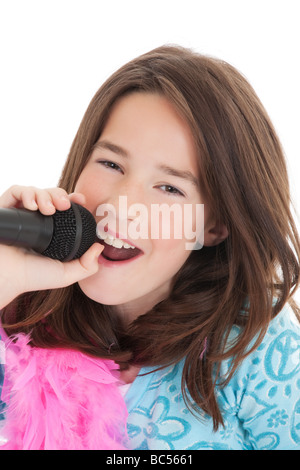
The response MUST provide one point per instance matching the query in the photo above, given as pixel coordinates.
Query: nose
(125, 211)
(127, 198)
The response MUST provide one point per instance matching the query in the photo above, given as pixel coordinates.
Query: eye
(171, 190)
(110, 165)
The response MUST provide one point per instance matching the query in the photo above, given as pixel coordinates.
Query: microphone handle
(24, 228)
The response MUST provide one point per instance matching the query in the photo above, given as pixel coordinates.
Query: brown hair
(246, 280)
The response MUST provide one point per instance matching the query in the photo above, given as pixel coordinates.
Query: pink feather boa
(60, 400)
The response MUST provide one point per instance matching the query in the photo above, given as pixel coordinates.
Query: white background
(55, 54)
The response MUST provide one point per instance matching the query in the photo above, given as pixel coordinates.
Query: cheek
(158, 269)
(170, 255)
(94, 192)
(179, 222)
(84, 183)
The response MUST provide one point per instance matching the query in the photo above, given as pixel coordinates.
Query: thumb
(45, 273)
(83, 267)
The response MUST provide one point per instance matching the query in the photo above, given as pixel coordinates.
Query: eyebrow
(106, 145)
(186, 175)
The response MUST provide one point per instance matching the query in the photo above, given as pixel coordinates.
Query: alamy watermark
(162, 221)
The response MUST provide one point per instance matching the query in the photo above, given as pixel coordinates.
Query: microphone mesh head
(74, 231)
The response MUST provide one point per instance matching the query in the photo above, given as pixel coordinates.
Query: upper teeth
(110, 240)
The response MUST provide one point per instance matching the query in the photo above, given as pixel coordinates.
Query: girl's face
(146, 155)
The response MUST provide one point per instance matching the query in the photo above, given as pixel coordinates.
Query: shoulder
(278, 353)
(277, 357)
(280, 348)
(282, 335)
(265, 389)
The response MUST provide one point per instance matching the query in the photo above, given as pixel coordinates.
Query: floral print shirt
(261, 403)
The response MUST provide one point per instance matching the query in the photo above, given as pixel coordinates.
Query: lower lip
(116, 264)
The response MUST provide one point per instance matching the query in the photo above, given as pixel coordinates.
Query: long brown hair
(245, 280)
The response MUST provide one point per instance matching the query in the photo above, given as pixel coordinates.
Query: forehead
(148, 124)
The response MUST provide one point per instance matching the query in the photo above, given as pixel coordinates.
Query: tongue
(118, 254)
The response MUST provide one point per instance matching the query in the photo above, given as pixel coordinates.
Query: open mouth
(117, 250)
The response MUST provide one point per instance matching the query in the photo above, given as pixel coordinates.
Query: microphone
(64, 236)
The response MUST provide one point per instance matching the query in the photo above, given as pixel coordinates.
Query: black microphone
(64, 236)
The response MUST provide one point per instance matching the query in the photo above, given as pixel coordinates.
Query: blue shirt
(261, 403)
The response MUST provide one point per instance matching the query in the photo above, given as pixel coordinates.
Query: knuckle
(13, 189)
(57, 191)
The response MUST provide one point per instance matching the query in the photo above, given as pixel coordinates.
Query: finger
(52, 199)
(19, 196)
(37, 199)
(78, 198)
(47, 201)
(58, 197)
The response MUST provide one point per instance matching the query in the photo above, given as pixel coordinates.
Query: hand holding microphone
(64, 236)
(60, 229)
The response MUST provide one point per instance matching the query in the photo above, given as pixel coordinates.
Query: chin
(101, 296)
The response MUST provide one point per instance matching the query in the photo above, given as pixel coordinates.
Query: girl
(205, 342)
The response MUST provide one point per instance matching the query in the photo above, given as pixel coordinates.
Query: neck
(131, 310)
(128, 376)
